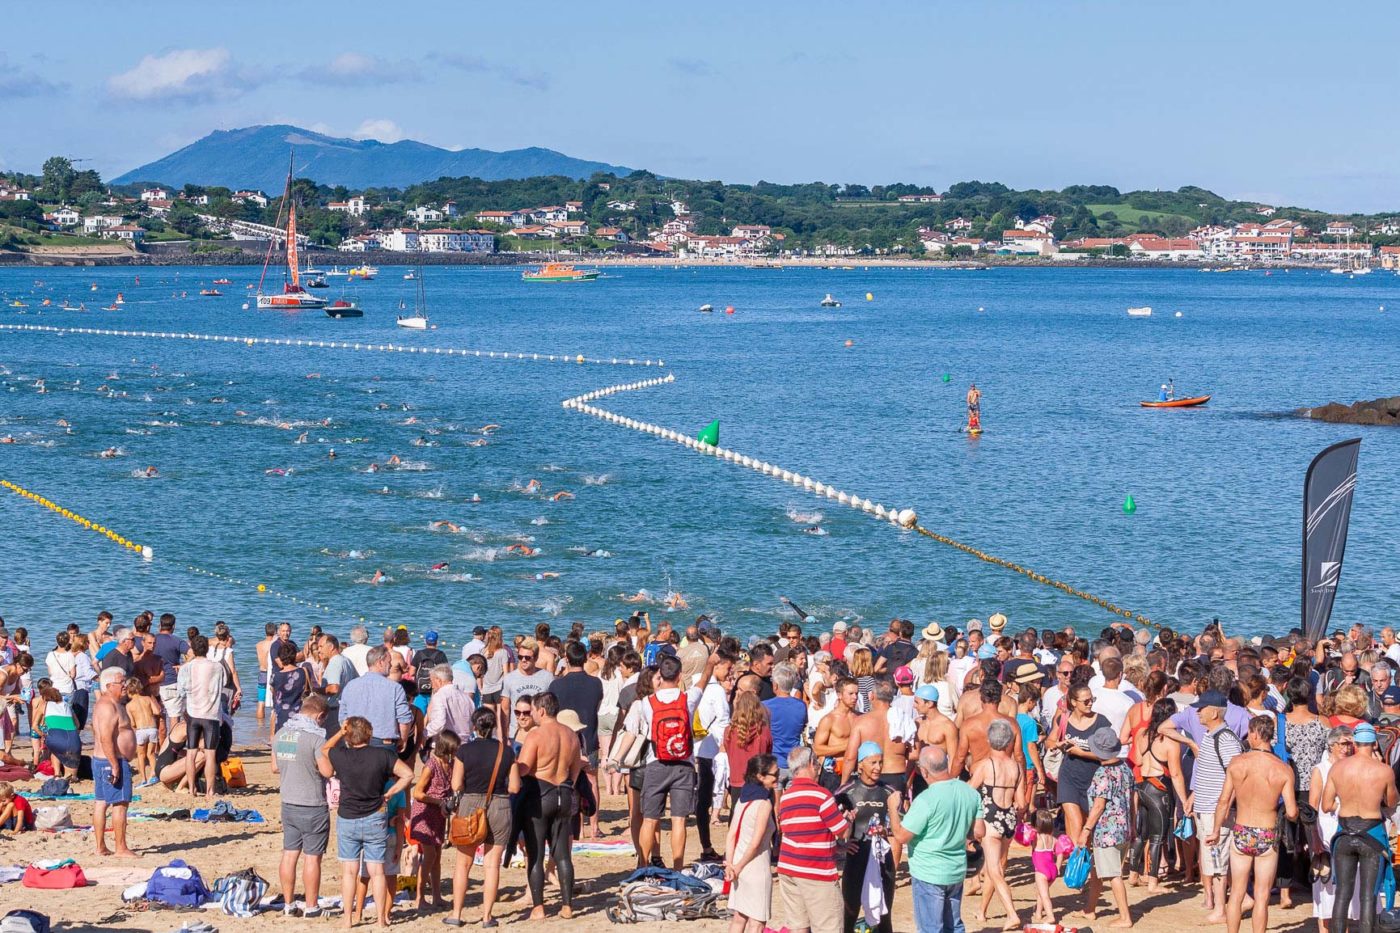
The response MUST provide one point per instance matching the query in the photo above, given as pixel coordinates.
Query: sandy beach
(217, 849)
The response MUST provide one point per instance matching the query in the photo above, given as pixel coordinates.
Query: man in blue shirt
(787, 716)
(380, 700)
(171, 650)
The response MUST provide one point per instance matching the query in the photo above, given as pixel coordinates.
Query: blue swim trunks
(102, 782)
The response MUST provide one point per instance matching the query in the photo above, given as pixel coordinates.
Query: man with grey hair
(812, 826)
(451, 707)
(339, 671)
(357, 650)
(787, 715)
(123, 656)
(380, 700)
(935, 831)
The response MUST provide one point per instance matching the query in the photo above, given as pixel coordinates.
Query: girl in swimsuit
(1046, 853)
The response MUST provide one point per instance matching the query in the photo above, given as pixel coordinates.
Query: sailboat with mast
(292, 297)
(418, 320)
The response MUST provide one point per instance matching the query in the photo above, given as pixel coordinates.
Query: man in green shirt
(935, 832)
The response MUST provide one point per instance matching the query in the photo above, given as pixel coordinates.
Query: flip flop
(454, 922)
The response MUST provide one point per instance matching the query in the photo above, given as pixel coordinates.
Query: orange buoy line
(144, 550)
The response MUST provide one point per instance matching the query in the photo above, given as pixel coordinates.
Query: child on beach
(427, 826)
(15, 813)
(144, 719)
(1047, 853)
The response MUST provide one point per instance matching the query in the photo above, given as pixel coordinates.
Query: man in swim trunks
(893, 731)
(974, 400)
(1254, 782)
(114, 745)
(269, 635)
(834, 732)
(1358, 789)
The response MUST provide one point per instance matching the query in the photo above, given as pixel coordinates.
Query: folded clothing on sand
(225, 812)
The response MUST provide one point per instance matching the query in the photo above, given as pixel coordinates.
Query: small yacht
(830, 302)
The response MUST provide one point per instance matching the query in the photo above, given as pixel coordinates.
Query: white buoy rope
(902, 517)
(577, 358)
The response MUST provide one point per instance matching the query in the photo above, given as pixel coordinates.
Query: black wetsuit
(547, 811)
(1356, 864)
(867, 802)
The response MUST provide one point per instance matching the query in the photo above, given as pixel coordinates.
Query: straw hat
(933, 632)
(997, 621)
(568, 717)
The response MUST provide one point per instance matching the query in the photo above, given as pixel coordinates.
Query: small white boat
(413, 321)
(830, 302)
(1140, 312)
(336, 273)
(1338, 270)
(706, 308)
(409, 276)
(418, 319)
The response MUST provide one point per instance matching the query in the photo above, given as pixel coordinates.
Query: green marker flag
(709, 434)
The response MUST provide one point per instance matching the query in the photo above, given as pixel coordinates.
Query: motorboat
(365, 272)
(1140, 312)
(211, 292)
(707, 308)
(559, 272)
(830, 302)
(317, 281)
(342, 307)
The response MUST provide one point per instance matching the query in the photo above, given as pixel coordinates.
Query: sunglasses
(522, 712)
(527, 657)
(1064, 673)
(773, 774)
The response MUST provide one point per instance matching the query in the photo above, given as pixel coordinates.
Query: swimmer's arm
(1170, 730)
(822, 745)
(525, 761)
(576, 768)
(1174, 769)
(959, 755)
(1389, 800)
(848, 760)
(513, 783)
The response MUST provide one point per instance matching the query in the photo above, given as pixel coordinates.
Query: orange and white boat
(1178, 402)
(292, 297)
(559, 272)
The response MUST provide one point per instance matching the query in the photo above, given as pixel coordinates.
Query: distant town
(642, 215)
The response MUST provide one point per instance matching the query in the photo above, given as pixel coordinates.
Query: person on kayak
(1162, 396)
(1168, 392)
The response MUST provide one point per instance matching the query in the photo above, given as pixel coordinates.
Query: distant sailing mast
(292, 296)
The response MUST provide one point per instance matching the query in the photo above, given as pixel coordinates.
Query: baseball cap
(927, 692)
(430, 637)
(479, 631)
(1210, 698)
(902, 675)
(1391, 694)
(705, 626)
(1364, 734)
(873, 748)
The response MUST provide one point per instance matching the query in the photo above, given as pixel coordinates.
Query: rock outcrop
(1377, 411)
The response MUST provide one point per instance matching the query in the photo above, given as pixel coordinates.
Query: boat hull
(1178, 402)
(343, 311)
(413, 323)
(580, 277)
(290, 302)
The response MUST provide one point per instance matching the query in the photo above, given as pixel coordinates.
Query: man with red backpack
(670, 774)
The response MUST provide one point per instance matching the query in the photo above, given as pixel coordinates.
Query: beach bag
(54, 787)
(240, 892)
(51, 818)
(57, 879)
(24, 921)
(1054, 758)
(233, 773)
(469, 831)
(178, 885)
(1077, 868)
(670, 729)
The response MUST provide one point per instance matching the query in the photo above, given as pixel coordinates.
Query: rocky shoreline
(1380, 411)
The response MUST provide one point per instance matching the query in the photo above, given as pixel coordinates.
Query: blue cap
(873, 748)
(927, 692)
(430, 637)
(1391, 695)
(1364, 734)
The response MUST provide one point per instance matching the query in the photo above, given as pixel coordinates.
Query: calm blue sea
(1061, 365)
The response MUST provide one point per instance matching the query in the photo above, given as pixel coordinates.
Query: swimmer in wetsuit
(550, 761)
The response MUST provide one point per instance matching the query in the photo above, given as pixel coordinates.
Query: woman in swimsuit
(998, 779)
(1159, 763)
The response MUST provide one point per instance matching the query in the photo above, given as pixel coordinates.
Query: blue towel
(225, 812)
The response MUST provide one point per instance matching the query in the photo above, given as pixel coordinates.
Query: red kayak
(1178, 402)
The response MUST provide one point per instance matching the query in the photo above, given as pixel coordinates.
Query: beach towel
(240, 893)
(67, 797)
(872, 892)
(225, 812)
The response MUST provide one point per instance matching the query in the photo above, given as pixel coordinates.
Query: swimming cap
(927, 692)
(1364, 734)
(873, 748)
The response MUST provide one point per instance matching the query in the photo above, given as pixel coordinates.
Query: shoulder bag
(1053, 758)
(468, 832)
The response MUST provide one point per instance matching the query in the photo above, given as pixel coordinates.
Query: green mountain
(256, 157)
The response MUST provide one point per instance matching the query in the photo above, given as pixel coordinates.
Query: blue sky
(1291, 103)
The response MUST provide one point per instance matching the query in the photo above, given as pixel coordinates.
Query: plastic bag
(1077, 867)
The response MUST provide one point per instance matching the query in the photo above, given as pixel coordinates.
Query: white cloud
(386, 131)
(355, 68)
(180, 74)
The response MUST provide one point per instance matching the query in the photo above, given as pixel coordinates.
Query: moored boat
(1140, 312)
(1178, 402)
(293, 296)
(344, 308)
(210, 292)
(559, 272)
(830, 302)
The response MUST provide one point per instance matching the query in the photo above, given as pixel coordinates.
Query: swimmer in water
(523, 549)
(444, 525)
(641, 596)
(488, 428)
(62, 422)
(676, 601)
(382, 406)
(546, 575)
(532, 486)
(372, 468)
(109, 453)
(275, 471)
(479, 442)
(377, 578)
(394, 460)
(331, 455)
(476, 497)
(441, 567)
(815, 530)
(152, 472)
(561, 496)
(7, 439)
(411, 419)
(301, 438)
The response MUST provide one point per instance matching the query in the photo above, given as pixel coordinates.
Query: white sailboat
(418, 320)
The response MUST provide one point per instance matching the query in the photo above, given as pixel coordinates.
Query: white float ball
(842, 498)
(908, 518)
(879, 511)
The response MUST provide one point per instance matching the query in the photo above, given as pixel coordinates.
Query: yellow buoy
(869, 296)
(262, 587)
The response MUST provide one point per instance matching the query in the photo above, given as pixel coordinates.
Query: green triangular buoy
(709, 434)
(1129, 506)
(947, 377)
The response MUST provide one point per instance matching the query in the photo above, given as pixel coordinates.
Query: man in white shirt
(1390, 645)
(201, 685)
(451, 707)
(672, 779)
(477, 645)
(1110, 701)
(358, 649)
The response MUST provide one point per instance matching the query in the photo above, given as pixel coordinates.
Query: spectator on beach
(424, 660)
(811, 827)
(549, 765)
(381, 701)
(306, 823)
(114, 745)
(339, 671)
(870, 805)
(449, 710)
(748, 864)
(787, 715)
(935, 830)
(369, 774)
(427, 823)
(1108, 826)
(357, 651)
(202, 684)
(171, 651)
(484, 767)
(122, 655)
(526, 680)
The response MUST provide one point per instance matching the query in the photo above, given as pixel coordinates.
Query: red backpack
(670, 729)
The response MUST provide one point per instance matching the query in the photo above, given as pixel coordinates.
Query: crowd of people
(841, 759)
